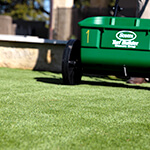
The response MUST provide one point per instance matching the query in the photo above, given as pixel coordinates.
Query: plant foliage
(24, 9)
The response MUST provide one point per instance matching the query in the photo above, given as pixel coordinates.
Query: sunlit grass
(38, 112)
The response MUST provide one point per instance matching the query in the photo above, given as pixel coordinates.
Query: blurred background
(54, 19)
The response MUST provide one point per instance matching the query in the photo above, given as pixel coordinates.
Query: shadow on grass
(50, 80)
(112, 84)
(100, 83)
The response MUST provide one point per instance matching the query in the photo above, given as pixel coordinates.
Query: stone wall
(31, 53)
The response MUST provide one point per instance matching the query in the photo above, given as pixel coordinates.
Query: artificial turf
(38, 112)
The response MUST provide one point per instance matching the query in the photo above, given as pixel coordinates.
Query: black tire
(71, 63)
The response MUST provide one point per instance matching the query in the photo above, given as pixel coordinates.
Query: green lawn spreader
(108, 46)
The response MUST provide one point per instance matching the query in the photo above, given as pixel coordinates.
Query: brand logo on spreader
(125, 39)
(126, 36)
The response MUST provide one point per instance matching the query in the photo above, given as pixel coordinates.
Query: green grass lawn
(38, 112)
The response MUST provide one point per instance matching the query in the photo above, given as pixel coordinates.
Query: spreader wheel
(71, 63)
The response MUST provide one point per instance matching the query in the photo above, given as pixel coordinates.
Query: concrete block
(31, 53)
